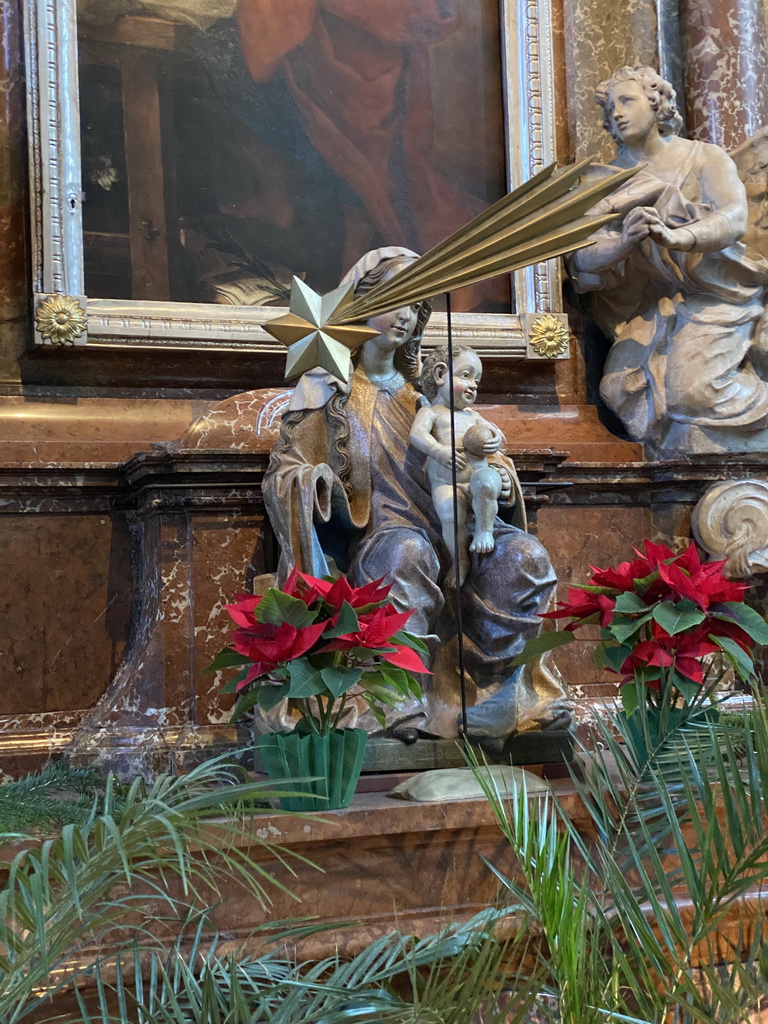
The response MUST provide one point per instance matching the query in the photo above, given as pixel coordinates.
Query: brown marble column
(726, 69)
(13, 194)
(600, 36)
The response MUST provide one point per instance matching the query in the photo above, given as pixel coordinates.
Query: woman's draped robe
(387, 526)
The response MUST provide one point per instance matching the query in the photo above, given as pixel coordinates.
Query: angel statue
(671, 282)
(345, 491)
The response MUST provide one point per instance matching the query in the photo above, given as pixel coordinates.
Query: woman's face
(631, 115)
(395, 328)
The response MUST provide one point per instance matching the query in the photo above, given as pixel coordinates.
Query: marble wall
(726, 69)
(600, 36)
(715, 53)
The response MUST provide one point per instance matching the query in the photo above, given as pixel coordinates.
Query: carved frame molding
(56, 215)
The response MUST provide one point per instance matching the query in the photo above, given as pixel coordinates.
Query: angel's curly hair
(660, 93)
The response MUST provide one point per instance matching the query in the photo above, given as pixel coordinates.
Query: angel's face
(630, 113)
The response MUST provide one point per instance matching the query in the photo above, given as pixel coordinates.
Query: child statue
(476, 438)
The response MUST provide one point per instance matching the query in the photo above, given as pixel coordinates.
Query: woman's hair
(661, 95)
(407, 359)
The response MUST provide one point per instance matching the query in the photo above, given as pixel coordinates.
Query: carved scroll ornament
(731, 522)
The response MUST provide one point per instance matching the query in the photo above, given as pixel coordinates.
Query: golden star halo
(311, 341)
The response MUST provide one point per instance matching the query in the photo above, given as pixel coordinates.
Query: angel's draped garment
(682, 323)
(384, 523)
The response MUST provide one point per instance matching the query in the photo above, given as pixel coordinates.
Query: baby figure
(476, 438)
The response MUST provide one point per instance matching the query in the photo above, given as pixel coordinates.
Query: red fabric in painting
(346, 62)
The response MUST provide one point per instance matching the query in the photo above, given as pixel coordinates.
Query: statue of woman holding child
(672, 284)
(347, 492)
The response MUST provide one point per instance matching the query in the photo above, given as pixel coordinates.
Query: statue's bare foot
(450, 579)
(482, 542)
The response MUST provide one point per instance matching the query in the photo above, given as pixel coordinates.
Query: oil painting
(228, 145)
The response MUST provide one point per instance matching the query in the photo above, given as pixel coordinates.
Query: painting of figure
(230, 144)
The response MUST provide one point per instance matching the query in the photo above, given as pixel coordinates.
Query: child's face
(467, 371)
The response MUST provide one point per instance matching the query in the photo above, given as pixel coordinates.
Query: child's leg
(442, 498)
(485, 488)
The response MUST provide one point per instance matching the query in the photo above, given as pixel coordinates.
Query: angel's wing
(751, 159)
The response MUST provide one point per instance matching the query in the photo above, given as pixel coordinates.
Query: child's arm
(421, 438)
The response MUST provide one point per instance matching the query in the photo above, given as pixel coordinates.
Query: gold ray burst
(543, 218)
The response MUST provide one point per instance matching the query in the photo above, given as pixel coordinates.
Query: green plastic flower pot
(332, 763)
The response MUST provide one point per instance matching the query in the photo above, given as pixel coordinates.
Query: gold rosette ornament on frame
(60, 319)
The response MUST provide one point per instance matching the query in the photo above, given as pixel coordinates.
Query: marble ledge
(113, 430)
(376, 814)
(548, 475)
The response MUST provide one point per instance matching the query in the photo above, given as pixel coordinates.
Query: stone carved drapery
(672, 285)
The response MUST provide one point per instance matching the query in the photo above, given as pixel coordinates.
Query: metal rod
(456, 547)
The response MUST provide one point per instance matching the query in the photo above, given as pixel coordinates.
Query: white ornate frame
(57, 231)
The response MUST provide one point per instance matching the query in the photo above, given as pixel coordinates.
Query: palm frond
(172, 844)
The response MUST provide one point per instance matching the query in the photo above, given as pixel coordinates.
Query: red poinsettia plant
(667, 622)
(317, 641)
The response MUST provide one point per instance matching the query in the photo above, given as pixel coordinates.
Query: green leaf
(687, 687)
(629, 603)
(347, 623)
(611, 656)
(750, 621)
(304, 680)
(621, 629)
(234, 682)
(645, 674)
(590, 588)
(643, 582)
(245, 703)
(737, 656)
(382, 693)
(377, 711)
(674, 618)
(270, 696)
(409, 640)
(339, 680)
(630, 695)
(538, 645)
(226, 659)
(277, 607)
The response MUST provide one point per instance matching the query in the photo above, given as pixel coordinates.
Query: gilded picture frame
(66, 316)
